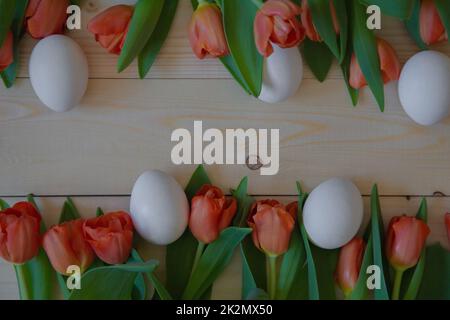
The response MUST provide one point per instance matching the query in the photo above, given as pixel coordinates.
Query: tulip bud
(447, 223)
(110, 27)
(308, 24)
(405, 240)
(210, 213)
(276, 22)
(46, 17)
(7, 52)
(110, 236)
(272, 226)
(65, 246)
(349, 265)
(19, 233)
(389, 64)
(206, 32)
(432, 29)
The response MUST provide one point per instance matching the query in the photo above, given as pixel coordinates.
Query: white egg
(424, 87)
(159, 208)
(333, 213)
(282, 76)
(59, 72)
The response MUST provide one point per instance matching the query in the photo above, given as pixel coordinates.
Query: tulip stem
(24, 290)
(198, 255)
(397, 284)
(272, 276)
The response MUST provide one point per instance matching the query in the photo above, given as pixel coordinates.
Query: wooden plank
(177, 60)
(123, 128)
(228, 285)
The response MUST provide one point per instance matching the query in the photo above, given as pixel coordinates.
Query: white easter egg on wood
(282, 76)
(59, 72)
(159, 208)
(424, 87)
(333, 213)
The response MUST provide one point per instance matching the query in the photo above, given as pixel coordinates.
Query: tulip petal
(113, 20)
(7, 52)
(349, 265)
(263, 29)
(308, 24)
(432, 29)
(389, 61)
(48, 18)
(110, 236)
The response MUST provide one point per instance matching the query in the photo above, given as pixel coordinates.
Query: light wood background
(123, 126)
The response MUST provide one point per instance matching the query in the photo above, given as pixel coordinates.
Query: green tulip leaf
(7, 11)
(257, 294)
(151, 50)
(436, 277)
(365, 48)
(318, 57)
(99, 212)
(180, 254)
(253, 276)
(9, 75)
(377, 238)
(323, 22)
(35, 277)
(111, 282)
(398, 8)
(413, 26)
(413, 277)
(238, 17)
(443, 8)
(141, 27)
(313, 285)
(69, 212)
(325, 262)
(244, 202)
(213, 262)
(292, 283)
(361, 292)
(161, 291)
(343, 20)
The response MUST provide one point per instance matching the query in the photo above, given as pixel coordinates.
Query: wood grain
(228, 285)
(123, 128)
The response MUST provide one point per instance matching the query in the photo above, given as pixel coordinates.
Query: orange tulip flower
(308, 24)
(405, 240)
(389, 63)
(210, 213)
(206, 32)
(447, 223)
(110, 27)
(349, 265)
(272, 226)
(276, 22)
(19, 233)
(110, 236)
(65, 246)
(46, 17)
(7, 52)
(432, 29)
